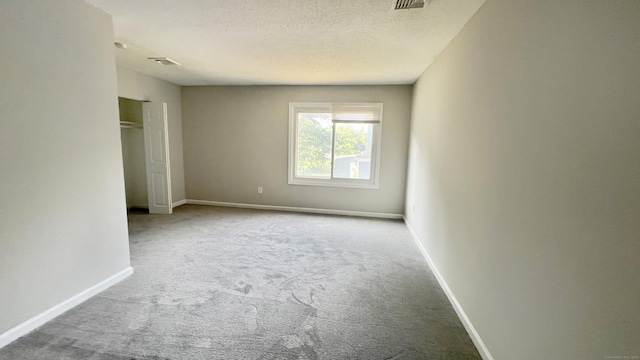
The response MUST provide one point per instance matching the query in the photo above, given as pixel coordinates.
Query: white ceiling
(288, 42)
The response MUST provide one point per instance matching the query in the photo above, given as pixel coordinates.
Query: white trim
(297, 209)
(335, 182)
(475, 337)
(178, 203)
(35, 322)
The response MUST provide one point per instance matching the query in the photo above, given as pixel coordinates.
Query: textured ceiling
(223, 42)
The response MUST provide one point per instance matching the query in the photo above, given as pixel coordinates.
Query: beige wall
(138, 86)
(235, 139)
(525, 176)
(63, 225)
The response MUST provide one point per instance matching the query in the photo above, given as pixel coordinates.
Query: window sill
(351, 184)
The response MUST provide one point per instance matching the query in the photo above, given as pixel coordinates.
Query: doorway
(145, 156)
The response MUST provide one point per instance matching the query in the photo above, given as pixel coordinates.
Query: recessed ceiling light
(163, 60)
(120, 45)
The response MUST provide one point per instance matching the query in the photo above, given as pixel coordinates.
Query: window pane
(314, 145)
(352, 158)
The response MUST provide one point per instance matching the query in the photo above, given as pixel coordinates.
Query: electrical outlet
(259, 189)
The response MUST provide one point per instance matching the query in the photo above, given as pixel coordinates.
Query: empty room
(365, 179)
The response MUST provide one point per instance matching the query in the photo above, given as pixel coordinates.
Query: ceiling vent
(410, 4)
(163, 60)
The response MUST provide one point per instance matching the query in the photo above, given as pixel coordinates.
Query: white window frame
(372, 183)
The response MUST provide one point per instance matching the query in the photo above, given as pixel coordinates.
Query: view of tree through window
(314, 144)
(352, 157)
(352, 153)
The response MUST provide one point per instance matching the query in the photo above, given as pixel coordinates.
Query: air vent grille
(409, 4)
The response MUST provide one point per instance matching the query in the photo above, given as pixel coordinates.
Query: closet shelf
(130, 125)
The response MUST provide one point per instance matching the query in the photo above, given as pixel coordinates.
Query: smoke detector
(163, 60)
(411, 4)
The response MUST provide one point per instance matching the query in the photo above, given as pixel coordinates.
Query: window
(335, 144)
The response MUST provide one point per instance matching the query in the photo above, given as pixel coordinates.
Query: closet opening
(145, 156)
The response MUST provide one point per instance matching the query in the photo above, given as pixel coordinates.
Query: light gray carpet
(220, 283)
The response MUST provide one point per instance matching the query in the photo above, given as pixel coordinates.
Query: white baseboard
(297, 209)
(35, 322)
(178, 203)
(475, 337)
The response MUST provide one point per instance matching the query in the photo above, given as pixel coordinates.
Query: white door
(156, 142)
